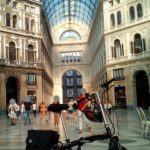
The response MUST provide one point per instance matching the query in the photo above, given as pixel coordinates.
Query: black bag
(41, 140)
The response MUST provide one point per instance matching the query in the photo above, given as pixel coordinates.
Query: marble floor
(126, 122)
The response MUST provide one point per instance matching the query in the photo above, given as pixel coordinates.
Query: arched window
(118, 1)
(8, 2)
(70, 35)
(14, 21)
(119, 17)
(27, 24)
(8, 19)
(132, 13)
(137, 43)
(32, 25)
(139, 11)
(117, 48)
(112, 19)
(12, 51)
(31, 55)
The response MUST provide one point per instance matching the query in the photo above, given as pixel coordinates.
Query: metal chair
(146, 122)
(141, 119)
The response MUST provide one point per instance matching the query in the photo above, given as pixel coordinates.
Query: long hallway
(13, 137)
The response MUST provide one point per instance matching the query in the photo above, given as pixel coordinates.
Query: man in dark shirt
(27, 105)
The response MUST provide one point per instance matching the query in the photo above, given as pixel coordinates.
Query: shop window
(118, 73)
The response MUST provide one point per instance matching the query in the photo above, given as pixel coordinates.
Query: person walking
(22, 110)
(43, 111)
(34, 108)
(56, 114)
(82, 104)
(27, 105)
(12, 111)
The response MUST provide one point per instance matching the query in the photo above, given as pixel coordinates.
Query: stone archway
(71, 84)
(142, 89)
(12, 89)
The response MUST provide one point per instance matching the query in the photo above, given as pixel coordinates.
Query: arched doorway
(11, 89)
(142, 90)
(71, 85)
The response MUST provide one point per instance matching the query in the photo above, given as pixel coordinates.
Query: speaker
(42, 140)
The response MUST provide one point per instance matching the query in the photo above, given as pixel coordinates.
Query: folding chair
(147, 122)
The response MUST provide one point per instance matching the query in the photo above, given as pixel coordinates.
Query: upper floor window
(70, 35)
(31, 54)
(112, 19)
(14, 21)
(119, 17)
(118, 73)
(79, 81)
(70, 92)
(8, 2)
(69, 73)
(132, 13)
(70, 82)
(70, 56)
(27, 24)
(139, 11)
(31, 79)
(32, 25)
(118, 1)
(137, 43)
(117, 50)
(8, 19)
(12, 51)
(111, 2)
(14, 4)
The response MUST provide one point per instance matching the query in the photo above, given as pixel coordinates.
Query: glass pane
(81, 10)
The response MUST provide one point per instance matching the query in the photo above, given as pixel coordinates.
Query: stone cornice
(19, 33)
(123, 28)
(32, 2)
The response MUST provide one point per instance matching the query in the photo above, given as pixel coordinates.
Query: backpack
(41, 139)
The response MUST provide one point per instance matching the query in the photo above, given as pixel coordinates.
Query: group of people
(23, 110)
(82, 105)
(16, 111)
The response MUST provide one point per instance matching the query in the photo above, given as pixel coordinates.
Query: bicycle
(114, 143)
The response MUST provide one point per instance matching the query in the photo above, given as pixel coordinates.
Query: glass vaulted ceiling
(70, 12)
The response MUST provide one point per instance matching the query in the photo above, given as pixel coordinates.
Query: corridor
(128, 129)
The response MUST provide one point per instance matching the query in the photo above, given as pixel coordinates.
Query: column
(4, 48)
(0, 47)
(20, 51)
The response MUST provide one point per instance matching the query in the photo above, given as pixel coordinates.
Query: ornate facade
(126, 52)
(25, 54)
